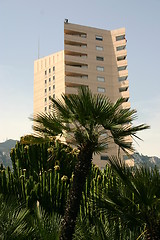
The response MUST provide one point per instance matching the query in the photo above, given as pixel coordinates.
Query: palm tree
(88, 121)
(137, 201)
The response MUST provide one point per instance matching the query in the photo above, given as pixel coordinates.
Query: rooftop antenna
(38, 46)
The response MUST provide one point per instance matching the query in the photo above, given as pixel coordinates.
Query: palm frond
(47, 125)
(48, 226)
(81, 118)
(136, 198)
(14, 222)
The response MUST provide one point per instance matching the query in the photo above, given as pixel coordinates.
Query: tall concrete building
(92, 57)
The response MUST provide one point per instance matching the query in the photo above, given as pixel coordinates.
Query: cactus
(35, 177)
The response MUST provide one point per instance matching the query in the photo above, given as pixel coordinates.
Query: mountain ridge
(5, 148)
(139, 159)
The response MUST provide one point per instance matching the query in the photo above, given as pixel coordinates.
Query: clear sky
(23, 23)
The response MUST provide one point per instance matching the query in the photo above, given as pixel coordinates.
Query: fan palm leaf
(137, 201)
(14, 222)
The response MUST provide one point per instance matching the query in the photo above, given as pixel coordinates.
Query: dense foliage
(119, 203)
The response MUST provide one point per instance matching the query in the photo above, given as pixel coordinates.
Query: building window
(45, 109)
(49, 79)
(53, 95)
(121, 37)
(45, 72)
(100, 69)
(49, 106)
(122, 78)
(120, 48)
(45, 99)
(49, 97)
(53, 69)
(45, 81)
(99, 38)
(49, 70)
(101, 90)
(100, 58)
(49, 88)
(53, 77)
(99, 48)
(100, 79)
(53, 86)
(104, 157)
(122, 68)
(45, 90)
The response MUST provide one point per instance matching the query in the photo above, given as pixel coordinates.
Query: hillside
(146, 160)
(5, 148)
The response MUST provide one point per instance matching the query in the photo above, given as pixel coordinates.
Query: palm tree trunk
(81, 172)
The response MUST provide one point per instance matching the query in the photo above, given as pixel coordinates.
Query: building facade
(92, 57)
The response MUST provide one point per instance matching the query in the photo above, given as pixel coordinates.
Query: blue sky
(23, 23)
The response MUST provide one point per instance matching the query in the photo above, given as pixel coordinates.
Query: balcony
(123, 73)
(122, 68)
(122, 78)
(74, 48)
(120, 37)
(78, 44)
(73, 70)
(122, 63)
(74, 38)
(124, 84)
(120, 48)
(121, 58)
(123, 89)
(126, 105)
(71, 90)
(120, 43)
(73, 30)
(121, 53)
(77, 65)
(76, 59)
(124, 94)
(76, 54)
(79, 80)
